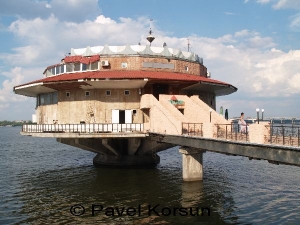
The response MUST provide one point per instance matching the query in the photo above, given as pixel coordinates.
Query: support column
(192, 164)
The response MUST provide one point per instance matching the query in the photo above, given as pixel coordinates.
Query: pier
(278, 144)
(127, 103)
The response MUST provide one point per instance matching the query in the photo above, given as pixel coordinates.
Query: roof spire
(150, 38)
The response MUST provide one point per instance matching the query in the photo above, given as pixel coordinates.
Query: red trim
(82, 59)
(121, 74)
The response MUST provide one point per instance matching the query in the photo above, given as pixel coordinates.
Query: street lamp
(210, 111)
(262, 114)
(257, 111)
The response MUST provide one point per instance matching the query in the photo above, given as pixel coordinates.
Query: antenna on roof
(188, 44)
(150, 38)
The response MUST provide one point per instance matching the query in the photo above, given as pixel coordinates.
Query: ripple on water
(41, 179)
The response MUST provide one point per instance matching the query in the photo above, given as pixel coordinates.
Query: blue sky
(252, 44)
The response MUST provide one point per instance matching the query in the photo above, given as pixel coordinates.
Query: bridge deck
(276, 154)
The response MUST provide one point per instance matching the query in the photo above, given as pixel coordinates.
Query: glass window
(62, 68)
(87, 93)
(70, 67)
(95, 66)
(124, 65)
(84, 67)
(53, 71)
(126, 92)
(76, 66)
(108, 93)
(67, 94)
(57, 70)
(42, 100)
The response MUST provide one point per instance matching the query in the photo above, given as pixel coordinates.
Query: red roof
(173, 98)
(121, 74)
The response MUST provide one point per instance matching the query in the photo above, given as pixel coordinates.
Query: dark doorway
(160, 89)
(122, 116)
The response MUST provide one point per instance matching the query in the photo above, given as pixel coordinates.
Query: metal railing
(283, 134)
(194, 129)
(82, 128)
(231, 131)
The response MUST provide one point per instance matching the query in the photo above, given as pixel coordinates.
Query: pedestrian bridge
(187, 122)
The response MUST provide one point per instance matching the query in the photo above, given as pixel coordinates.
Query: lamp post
(210, 111)
(257, 111)
(262, 114)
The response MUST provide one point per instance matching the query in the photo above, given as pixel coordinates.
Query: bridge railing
(231, 131)
(283, 134)
(82, 128)
(194, 129)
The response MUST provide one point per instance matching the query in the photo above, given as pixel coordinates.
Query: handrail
(283, 134)
(232, 131)
(195, 129)
(82, 128)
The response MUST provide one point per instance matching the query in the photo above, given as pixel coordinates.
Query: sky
(251, 44)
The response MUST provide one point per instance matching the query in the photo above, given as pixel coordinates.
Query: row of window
(72, 67)
(47, 99)
(107, 93)
(80, 67)
(52, 98)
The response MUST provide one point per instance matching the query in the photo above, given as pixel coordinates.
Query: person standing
(243, 125)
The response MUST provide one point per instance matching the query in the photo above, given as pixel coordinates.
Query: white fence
(82, 128)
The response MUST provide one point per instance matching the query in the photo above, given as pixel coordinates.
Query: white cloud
(284, 4)
(295, 22)
(263, 1)
(16, 77)
(245, 58)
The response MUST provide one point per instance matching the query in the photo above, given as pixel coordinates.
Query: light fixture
(257, 111)
(262, 114)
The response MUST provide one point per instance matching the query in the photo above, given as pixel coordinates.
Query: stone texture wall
(96, 108)
(201, 113)
(258, 132)
(136, 63)
(161, 120)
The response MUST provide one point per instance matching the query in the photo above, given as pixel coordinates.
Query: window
(57, 70)
(95, 66)
(84, 67)
(62, 68)
(126, 92)
(108, 93)
(87, 93)
(70, 67)
(124, 65)
(186, 68)
(53, 71)
(67, 94)
(76, 66)
(42, 100)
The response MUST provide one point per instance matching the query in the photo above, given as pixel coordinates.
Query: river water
(40, 180)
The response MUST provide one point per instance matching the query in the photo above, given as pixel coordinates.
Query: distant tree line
(14, 123)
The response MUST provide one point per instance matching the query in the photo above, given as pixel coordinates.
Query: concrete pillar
(258, 132)
(208, 129)
(192, 164)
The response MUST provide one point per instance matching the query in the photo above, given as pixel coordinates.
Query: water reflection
(49, 196)
(41, 179)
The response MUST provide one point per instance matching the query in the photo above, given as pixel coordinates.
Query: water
(41, 179)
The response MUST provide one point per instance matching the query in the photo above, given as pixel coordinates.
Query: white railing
(82, 128)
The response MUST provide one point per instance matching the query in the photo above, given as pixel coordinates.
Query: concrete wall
(161, 119)
(95, 108)
(258, 132)
(201, 113)
(136, 63)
